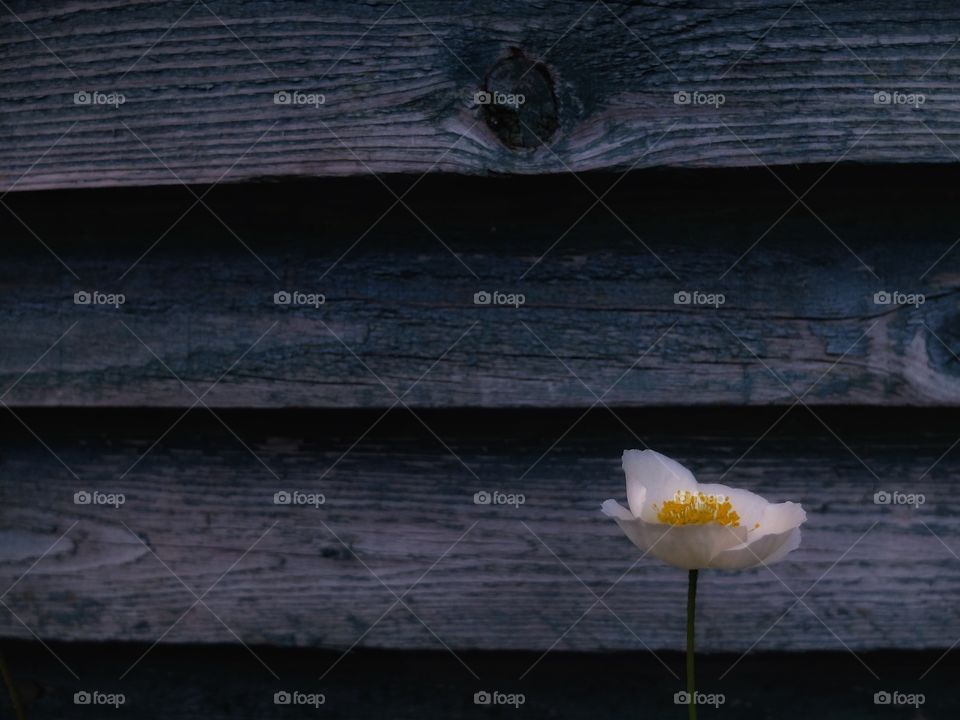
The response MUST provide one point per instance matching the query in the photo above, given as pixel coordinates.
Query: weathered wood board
(388, 87)
(400, 319)
(520, 577)
(179, 681)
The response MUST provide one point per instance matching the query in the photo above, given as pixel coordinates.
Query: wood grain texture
(399, 80)
(192, 682)
(519, 577)
(799, 317)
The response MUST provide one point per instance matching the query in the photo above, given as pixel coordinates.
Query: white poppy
(695, 525)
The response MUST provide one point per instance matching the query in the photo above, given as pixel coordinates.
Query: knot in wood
(518, 102)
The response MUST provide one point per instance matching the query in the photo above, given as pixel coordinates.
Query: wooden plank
(401, 503)
(399, 80)
(799, 317)
(214, 682)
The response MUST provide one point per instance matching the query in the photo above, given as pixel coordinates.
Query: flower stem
(691, 613)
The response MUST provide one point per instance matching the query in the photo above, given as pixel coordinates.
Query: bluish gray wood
(878, 575)
(399, 80)
(799, 317)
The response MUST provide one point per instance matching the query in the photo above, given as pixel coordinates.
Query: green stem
(691, 613)
(11, 688)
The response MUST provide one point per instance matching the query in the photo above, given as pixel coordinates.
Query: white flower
(692, 525)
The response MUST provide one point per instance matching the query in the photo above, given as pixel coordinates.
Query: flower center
(689, 508)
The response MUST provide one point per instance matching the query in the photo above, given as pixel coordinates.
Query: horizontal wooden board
(599, 318)
(227, 683)
(400, 515)
(398, 81)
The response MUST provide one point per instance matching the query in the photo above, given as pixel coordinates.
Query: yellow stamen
(689, 508)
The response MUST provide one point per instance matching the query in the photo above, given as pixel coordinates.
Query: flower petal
(792, 543)
(762, 550)
(660, 476)
(611, 508)
(778, 517)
